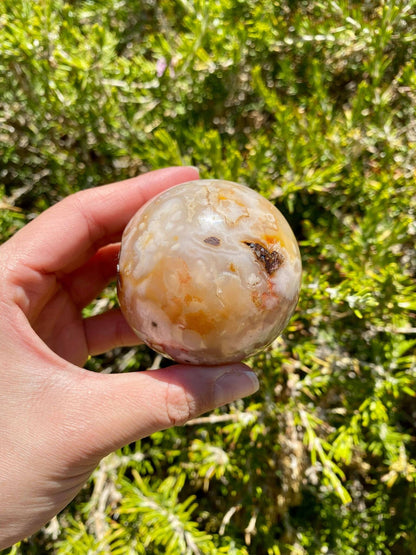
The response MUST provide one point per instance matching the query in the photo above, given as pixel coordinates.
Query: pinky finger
(107, 331)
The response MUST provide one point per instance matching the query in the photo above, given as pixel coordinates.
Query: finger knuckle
(179, 405)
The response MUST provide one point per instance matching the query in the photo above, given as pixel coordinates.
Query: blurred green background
(312, 104)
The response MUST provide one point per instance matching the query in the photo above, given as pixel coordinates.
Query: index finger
(69, 233)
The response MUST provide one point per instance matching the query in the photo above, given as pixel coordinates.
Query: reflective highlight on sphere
(209, 272)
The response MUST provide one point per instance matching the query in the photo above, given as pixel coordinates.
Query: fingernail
(194, 168)
(234, 385)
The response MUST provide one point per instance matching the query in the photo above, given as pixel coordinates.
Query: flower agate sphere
(209, 272)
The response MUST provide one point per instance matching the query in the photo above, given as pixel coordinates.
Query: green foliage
(313, 104)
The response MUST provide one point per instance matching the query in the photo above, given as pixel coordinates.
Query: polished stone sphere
(209, 272)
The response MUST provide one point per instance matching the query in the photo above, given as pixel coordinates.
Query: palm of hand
(57, 303)
(60, 325)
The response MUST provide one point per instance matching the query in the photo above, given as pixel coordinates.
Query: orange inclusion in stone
(200, 322)
(156, 290)
(189, 298)
(272, 240)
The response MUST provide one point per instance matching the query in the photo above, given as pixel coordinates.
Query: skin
(58, 419)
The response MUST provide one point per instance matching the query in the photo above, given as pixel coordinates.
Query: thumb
(123, 408)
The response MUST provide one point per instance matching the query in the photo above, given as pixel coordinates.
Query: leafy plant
(313, 104)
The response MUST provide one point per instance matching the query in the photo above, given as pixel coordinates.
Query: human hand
(58, 419)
